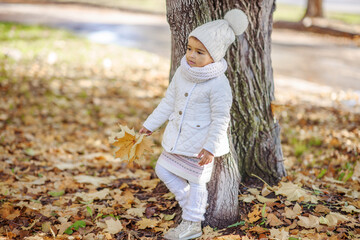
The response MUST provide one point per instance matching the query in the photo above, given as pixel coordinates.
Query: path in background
(295, 55)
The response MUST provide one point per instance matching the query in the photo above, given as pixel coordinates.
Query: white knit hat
(219, 34)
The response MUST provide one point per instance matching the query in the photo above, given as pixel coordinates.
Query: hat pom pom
(237, 21)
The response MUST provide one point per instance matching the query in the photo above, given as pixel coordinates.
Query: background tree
(314, 9)
(254, 132)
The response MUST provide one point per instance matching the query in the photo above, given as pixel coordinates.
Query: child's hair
(219, 34)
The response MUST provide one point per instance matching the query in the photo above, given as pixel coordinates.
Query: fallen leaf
(149, 184)
(334, 218)
(89, 197)
(138, 212)
(293, 213)
(294, 193)
(8, 212)
(247, 198)
(113, 226)
(255, 214)
(258, 230)
(350, 209)
(322, 209)
(96, 181)
(228, 237)
(265, 200)
(279, 234)
(273, 221)
(308, 222)
(209, 233)
(147, 223)
(63, 226)
(356, 173)
(265, 191)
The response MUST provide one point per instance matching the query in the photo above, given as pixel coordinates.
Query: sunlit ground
(62, 96)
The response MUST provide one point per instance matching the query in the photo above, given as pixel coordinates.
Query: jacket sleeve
(162, 112)
(220, 105)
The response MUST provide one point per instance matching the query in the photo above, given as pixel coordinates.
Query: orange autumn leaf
(130, 146)
(255, 214)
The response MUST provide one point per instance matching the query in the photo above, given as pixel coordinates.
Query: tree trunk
(314, 9)
(255, 139)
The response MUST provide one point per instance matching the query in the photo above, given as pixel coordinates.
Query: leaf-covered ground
(62, 97)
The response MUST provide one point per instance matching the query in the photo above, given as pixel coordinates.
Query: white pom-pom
(237, 21)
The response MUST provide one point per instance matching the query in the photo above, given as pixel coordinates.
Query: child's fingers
(205, 161)
(201, 153)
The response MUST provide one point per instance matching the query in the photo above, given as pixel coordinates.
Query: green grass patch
(345, 17)
(291, 13)
(285, 12)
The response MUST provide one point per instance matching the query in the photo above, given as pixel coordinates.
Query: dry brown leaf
(273, 221)
(308, 222)
(96, 181)
(8, 212)
(149, 184)
(89, 197)
(147, 223)
(335, 218)
(63, 226)
(294, 193)
(209, 233)
(228, 237)
(138, 212)
(279, 234)
(265, 191)
(293, 213)
(113, 226)
(356, 173)
(247, 198)
(258, 230)
(350, 209)
(265, 200)
(126, 199)
(255, 214)
(322, 209)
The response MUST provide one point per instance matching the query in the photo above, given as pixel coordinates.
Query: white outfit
(192, 197)
(197, 104)
(186, 167)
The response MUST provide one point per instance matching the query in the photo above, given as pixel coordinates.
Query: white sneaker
(185, 230)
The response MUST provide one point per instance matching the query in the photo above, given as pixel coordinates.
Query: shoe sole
(192, 236)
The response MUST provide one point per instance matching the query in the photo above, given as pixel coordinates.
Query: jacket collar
(202, 74)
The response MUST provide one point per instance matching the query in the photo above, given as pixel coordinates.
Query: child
(197, 104)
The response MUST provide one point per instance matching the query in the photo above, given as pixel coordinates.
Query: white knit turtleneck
(202, 74)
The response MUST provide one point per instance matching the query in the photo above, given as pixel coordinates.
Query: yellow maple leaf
(255, 214)
(130, 146)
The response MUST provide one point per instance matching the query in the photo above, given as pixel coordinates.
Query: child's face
(197, 54)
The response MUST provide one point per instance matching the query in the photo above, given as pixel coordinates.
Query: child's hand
(206, 157)
(145, 131)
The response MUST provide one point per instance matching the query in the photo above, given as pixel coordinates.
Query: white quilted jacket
(197, 104)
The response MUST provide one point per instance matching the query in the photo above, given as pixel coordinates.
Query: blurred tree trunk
(254, 132)
(314, 9)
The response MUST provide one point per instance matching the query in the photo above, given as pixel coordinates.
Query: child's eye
(200, 53)
(189, 49)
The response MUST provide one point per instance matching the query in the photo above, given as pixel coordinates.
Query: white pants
(192, 197)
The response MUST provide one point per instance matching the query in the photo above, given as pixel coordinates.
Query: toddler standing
(197, 104)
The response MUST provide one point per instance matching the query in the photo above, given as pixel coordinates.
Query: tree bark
(255, 139)
(314, 9)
